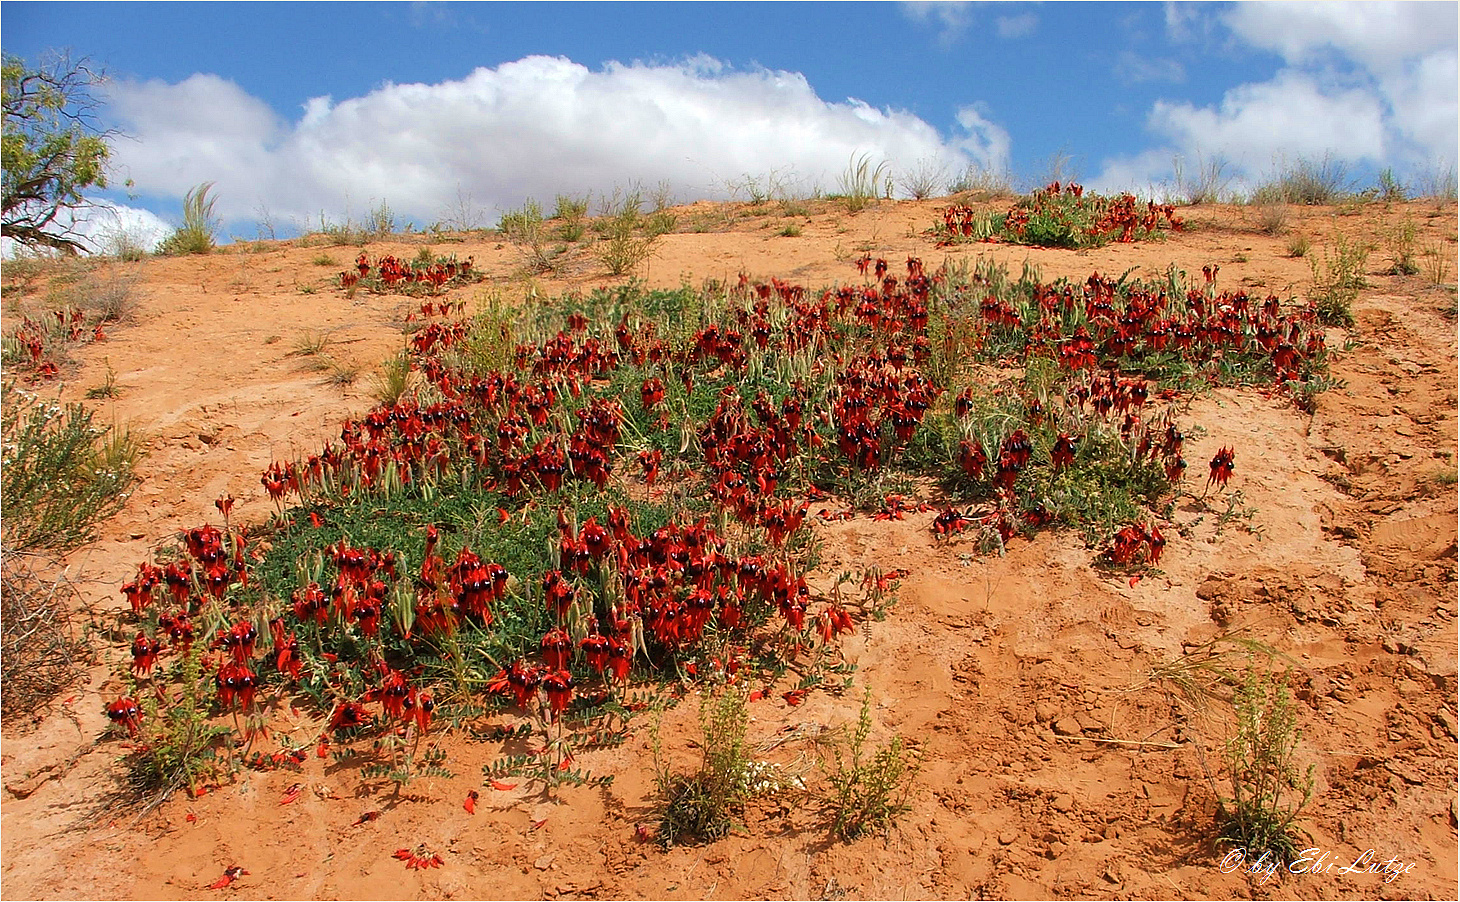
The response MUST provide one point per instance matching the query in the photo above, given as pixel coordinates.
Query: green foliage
(526, 229)
(1269, 790)
(196, 234)
(625, 238)
(1337, 279)
(701, 806)
(178, 745)
(1400, 241)
(1060, 216)
(50, 149)
(62, 475)
(868, 794)
(571, 213)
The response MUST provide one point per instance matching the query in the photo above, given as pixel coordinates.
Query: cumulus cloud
(1290, 114)
(1367, 83)
(530, 128)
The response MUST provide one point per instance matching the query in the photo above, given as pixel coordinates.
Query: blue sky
(303, 109)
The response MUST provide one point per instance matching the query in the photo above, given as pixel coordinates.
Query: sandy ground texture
(1053, 763)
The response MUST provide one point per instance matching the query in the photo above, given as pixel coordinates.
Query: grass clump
(861, 183)
(1269, 790)
(924, 179)
(869, 794)
(1272, 219)
(702, 806)
(196, 234)
(1307, 183)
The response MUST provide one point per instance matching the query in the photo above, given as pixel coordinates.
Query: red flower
(1221, 467)
(126, 712)
(144, 653)
(559, 688)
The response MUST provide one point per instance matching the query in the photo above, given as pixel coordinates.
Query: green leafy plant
(868, 794)
(1337, 279)
(196, 234)
(178, 745)
(702, 806)
(1399, 241)
(571, 213)
(1269, 790)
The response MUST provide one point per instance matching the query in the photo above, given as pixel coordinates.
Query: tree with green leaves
(52, 150)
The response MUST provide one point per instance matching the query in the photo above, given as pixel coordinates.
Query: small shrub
(982, 183)
(177, 747)
(571, 213)
(39, 654)
(380, 221)
(621, 247)
(924, 179)
(324, 260)
(1268, 789)
(1400, 244)
(790, 230)
(1272, 219)
(1298, 246)
(196, 235)
(62, 475)
(1206, 185)
(701, 807)
(1337, 280)
(869, 795)
(1437, 183)
(526, 230)
(1390, 189)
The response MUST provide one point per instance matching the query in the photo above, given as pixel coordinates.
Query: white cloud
(953, 17)
(1290, 114)
(1016, 26)
(1380, 36)
(1134, 67)
(1370, 83)
(987, 143)
(530, 128)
